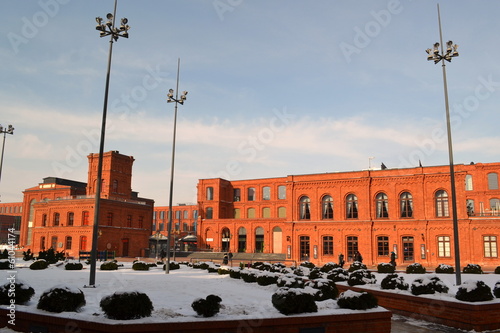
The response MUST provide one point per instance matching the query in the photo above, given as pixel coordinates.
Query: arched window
(266, 212)
(209, 212)
(406, 204)
(259, 240)
(83, 243)
(266, 193)
(495, 205)
(44, 220)
(115, 186)
(110, 218)
(71, 219)
(42, 243)
(251, 213)
(251, 194)
(85, 218)
(468, 183)
(442, 204)
(237, 213)
(69, 240)
(305, 208)
(210, 193)
(242, 239)
(492, 181)
(352, 206)
(186, 214)
(282, 212)
(382, 205)
(56, 219)
(327, 208)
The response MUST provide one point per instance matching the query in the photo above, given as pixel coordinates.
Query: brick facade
(59, 213)
(318, 216)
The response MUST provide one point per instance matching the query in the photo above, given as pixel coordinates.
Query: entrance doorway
(408, 249)
(352, 247)
(125, 247)
(305, 250)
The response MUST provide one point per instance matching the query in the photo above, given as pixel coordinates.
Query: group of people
(359, 257)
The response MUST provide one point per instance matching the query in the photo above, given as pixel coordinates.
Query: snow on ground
(172, 294)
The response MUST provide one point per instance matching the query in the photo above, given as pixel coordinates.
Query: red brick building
(318, 216)
(59, 213)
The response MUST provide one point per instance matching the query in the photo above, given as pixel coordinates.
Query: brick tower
(116, 175)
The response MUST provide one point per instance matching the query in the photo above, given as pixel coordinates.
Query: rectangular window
(352, 247)
(444, 246)
(328, 245)
(236, 194)
(210, 193)
(492, 181)
(71, 219)
(110, 219)
(85, 218)
(251, 194)
(69, 240)
(237, 213)
(383, 246)
(490, 246)
(129, 221)
(141, 221)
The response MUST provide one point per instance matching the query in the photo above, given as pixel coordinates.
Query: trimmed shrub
(235, 273)
(126, 305)
(315, 273)
(474, 291)
(393, 281)
(262, 266)
(5, 264)
(357, 265)
(385, 267)
(248, 276)
(301, 271)
(338, 275)
(293, 300)
(213, 268)
(328, 267)
(290, 281)
(207, 307)
(445, 269)
(223, 271)
(278, 267)
(307, 264)
(73, 266)
(325, 289)
(200, 265)
(496, 290)
(415, 268)
(497, 270)
(109, 266)
(61, 299)
(356, 301)
(360, 277)
(27, 255)
(22, 292)
(39, 264)
(428, 285)
(152, 264)
(267, 278)
(173, 265)
(472, 269)
(140, 266)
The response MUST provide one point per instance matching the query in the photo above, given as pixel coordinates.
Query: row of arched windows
(406, 208)
(70, 219)
(67, 245)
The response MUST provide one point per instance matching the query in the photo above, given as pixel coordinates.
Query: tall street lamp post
(5, 131)
(177, 100)
(106, 29)
(434, 55)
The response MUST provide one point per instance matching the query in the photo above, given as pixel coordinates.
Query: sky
(275, 88)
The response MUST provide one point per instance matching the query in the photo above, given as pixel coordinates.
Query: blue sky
(275, 88)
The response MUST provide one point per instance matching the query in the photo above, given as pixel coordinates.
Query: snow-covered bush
(356, 301)
(235, 272)
(213, 268)
(207, 307)
(5, 264)
(315, 273)
(474, 291)
(496, 290)
(328, 267)
(307, 264)
(415, 268)
(445, 269)
(357, 265)
(248, 275)
(73, 266)
(360, 277)
(294, 300)
(472, 269)
(126, 305)
(61, 299)
(22, 292)
(338, 275)
(266, 278)
(428, 285)
(109, 266)
(290, 281)
(301, 271)
(173, 265)
(497, 270)
(393, 281)
(223, 271)
(325, 289)
(200, 265)
(385, 267)
(278, 267)
(151, 264)
(262, 266)
(39, 264)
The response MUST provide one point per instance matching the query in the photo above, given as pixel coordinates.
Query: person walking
(341, 260)
(393, 259)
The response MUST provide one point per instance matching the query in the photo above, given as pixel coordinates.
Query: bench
(101, 255)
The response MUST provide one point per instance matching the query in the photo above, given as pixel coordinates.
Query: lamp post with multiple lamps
(106, 29)
(5, 131)
(176, 100)
(435, 55)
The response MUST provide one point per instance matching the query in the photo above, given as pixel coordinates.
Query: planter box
(477, 316)
(364, 321)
